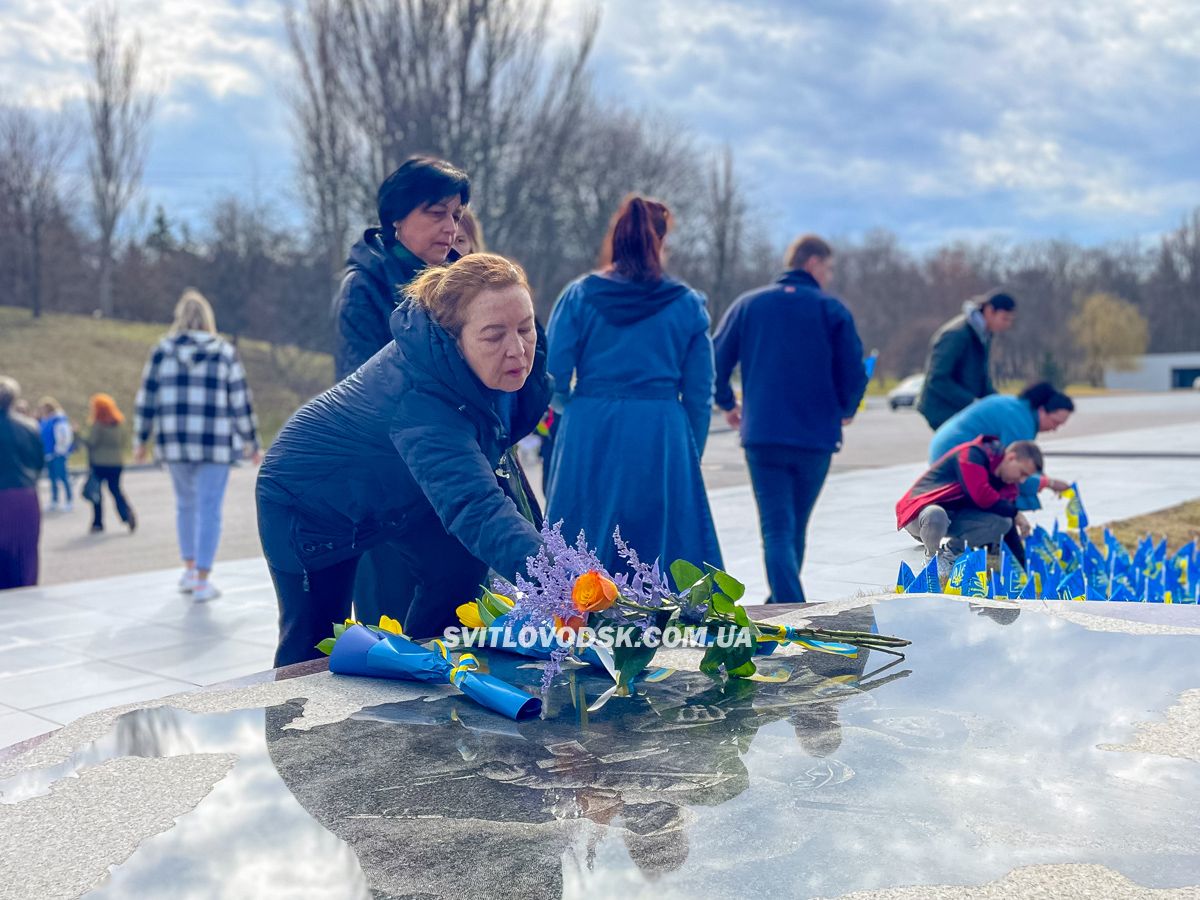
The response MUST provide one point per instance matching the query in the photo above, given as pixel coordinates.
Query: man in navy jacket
(802, 379)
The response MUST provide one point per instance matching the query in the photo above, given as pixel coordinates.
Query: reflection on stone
(61, 844)
(978, 754)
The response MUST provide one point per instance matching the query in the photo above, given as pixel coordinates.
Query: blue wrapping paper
(366, 653)
(492, 693)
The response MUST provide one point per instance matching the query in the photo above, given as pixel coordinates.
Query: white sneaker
(205, 591)
(187, 581)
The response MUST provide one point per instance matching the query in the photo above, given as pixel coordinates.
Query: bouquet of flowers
(580, 613)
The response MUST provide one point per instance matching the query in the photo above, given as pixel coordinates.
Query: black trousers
(434, 574)
(111, 476)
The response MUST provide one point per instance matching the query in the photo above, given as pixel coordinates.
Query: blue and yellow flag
(1028, 592)
(904, 578)
(964, 571)
(1077, 518)
(1121, 593)
(927, 580)
(1045, 579)
(1072, 587)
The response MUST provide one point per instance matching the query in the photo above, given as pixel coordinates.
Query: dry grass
(72, 357)
(1180, 524)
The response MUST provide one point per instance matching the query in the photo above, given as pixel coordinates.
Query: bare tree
(33, 151)
(325, 138)
(468, 80)
(726, 221)
(119, 114)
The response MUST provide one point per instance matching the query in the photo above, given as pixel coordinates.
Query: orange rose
(593, 592)
(574, 623)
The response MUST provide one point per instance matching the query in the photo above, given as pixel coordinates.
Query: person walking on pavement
(57, 439)
(803, 377)
(104, 437)
(194, 398)
(958, 370)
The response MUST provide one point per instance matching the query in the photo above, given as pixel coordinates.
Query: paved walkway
(68, 649)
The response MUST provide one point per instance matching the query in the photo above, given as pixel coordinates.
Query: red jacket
(965, 477)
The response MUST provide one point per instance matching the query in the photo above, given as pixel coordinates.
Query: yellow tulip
(468, 614)
(505, 600)
(390, 625)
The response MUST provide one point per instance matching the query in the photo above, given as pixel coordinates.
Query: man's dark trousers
(787, 481)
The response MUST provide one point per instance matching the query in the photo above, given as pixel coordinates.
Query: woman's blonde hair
(447, 291)
(50, 404)
(193, 313)
(469, 224)
(104, 410)
(10, 392)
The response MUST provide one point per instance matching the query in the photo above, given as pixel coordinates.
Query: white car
(906, 392)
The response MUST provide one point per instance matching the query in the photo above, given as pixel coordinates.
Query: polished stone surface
(1045, 747)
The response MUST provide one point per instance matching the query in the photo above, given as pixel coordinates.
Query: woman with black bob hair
(420, 205)
(1041, 407)
(634, 344)
(407, 450)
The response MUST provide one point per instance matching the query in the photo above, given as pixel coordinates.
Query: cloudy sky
(936, 119)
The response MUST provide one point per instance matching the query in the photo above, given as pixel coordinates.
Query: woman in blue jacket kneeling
(1040, 407)
(407, 450)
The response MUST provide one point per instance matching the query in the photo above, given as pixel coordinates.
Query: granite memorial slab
(1044, 747)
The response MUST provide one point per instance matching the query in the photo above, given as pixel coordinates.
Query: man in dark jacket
(802, 379)
(958, 371)
(970, 496)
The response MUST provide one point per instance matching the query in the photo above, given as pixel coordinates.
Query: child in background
(57, 439)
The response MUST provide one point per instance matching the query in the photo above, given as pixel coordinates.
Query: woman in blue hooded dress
(632, 362)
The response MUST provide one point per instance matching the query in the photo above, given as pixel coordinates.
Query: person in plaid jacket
(194, 398)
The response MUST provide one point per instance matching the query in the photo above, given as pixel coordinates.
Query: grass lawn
(1180, 524)
(72, 357)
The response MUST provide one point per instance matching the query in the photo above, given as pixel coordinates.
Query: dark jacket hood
(431, 354)
(623, 302)
(372, 256)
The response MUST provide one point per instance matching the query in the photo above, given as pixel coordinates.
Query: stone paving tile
(69, 710)
(20, 726)
(68, 683)
(186, 660)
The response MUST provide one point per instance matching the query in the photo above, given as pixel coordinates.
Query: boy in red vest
(969, 496)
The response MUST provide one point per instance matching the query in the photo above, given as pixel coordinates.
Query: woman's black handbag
(91, 488)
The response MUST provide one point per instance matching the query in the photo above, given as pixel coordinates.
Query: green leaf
(684, 574)
(714, 656)
(326, 646)
(338, 629)
(745, 670)
(724, 605)
(491, 607)
(743, 618)
(631, 660)
(730, 586)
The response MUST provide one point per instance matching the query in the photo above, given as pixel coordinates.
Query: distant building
(1157, 372)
